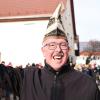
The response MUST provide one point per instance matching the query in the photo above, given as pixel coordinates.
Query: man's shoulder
(83, 78)
(30, 71)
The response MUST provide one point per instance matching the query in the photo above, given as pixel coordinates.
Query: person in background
(57, 80)
(3, 63)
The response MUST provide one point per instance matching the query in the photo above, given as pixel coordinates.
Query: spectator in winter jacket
(57, 80)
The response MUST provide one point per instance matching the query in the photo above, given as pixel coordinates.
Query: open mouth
(58, 56)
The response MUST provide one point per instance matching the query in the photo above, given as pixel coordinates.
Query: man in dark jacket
(57, 80)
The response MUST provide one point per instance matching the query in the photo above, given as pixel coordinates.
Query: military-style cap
(55, 26)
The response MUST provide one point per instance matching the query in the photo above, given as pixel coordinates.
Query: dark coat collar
(65, 68)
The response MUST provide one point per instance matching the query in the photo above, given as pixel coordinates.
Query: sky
(87, 18)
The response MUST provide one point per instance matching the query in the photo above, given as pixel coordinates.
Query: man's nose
(58, 48)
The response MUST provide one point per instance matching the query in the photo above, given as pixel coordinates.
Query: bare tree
(93, 46)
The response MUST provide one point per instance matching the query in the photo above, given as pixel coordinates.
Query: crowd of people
(15, 75)
(90, 68)
(10, 82)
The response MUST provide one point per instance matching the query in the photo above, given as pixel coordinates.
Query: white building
(22, 28)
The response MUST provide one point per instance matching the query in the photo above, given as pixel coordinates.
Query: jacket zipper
(55, 85)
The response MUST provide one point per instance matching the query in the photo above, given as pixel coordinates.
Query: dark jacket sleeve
(97, 94)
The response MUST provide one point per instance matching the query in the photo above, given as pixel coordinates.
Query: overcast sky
(87, 17)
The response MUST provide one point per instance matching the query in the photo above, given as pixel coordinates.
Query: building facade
(36, 12)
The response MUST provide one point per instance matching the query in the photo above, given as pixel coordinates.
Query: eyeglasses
(53, 45)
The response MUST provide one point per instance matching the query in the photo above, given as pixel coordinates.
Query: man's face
(55, 51)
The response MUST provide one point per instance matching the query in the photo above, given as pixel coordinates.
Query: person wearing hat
(57, 80)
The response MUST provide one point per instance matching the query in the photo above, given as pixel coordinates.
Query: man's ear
(69, 49)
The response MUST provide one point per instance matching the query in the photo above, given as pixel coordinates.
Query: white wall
(20, 42)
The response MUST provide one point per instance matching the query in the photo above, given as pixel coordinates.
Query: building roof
(27, 7)
(86, 53)
(22, 10)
